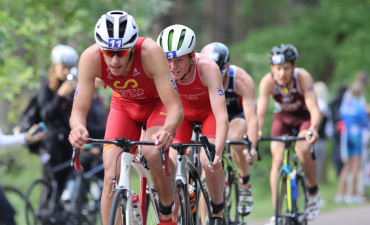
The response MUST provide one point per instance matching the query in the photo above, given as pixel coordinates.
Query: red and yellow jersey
(135, 86)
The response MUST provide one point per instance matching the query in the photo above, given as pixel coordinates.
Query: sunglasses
(120, 53)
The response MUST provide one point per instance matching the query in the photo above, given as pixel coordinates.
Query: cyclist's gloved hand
(253, 157)
(216, 165)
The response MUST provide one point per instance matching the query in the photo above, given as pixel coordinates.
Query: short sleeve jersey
(136, 86)
(293, 101)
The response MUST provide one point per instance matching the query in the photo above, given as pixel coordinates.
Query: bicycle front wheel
(41, 199)
(183, 212)
(301, 201)
(117, 214)
(231, 197)
(282, 212)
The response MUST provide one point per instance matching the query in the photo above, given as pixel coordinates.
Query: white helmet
(64, 54)
(116, 30)
(177, 40)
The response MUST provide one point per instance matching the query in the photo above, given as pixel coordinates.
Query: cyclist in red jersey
(240, 103)
(296, 107)
(143, 92)
(199, 84)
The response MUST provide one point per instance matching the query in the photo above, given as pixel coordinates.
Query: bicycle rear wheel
(183, 212)
(231, 197)
(41, 197)
(282, 212)
(301, 201)
(18, 201)
(118, 209)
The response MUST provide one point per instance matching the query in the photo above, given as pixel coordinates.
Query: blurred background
(332, 37)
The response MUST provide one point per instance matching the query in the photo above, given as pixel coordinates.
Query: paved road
(347, 215)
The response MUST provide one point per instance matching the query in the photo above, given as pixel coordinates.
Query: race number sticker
(171, 55)
(115, 43)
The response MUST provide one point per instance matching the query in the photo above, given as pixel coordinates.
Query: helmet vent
(181, 39)
(110, 28)
(100, 39)
(122, 28)
(132, 39)
(191, 42)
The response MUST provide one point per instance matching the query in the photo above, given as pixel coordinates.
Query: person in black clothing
(334, 106)
(55, 99)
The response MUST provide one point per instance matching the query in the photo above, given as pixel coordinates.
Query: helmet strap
(191, 64)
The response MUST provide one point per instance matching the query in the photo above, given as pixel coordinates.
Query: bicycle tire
(84, 207)
(200, 189)
(184, 211)
(282, 213)
(118, 208)
(40, 209)
(231, 198)
(151, 211)
(18, 201)
(301, 202)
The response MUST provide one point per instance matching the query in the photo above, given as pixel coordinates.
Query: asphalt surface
(346, 215)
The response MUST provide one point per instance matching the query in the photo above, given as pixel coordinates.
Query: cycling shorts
(234, 116)
(205, 117)
(285, 122)
(126, 118)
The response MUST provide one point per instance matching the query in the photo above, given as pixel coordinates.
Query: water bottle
(67, 193)
(138, 218)
(192, 198)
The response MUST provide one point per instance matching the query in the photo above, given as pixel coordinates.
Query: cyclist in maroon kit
(296, 107)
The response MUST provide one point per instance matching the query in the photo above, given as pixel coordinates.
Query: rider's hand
(216, 164)
(312, 138)
(249, 158)
(78, 137)
(67, 88)
(162, 139)
(31, 136)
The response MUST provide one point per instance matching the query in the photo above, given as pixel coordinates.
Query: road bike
(291, 188)
(232, 188)
(121, 211)
(187, 176)
(81, 207)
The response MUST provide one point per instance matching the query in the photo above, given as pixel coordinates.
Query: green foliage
(331, 38)
(29, 29)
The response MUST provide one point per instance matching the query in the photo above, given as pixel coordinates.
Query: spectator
(6, 210)
(325, 129)
(352, 112)
(54, 99)
(334, 106)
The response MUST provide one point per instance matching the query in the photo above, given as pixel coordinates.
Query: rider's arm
(266, 86)
(89, 68)
(155, 65)
(306, 84)
(244, 87)
(211, 77)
